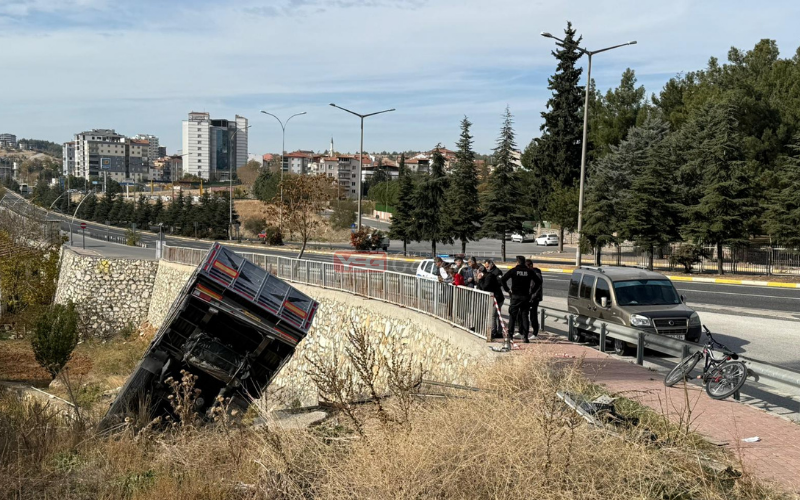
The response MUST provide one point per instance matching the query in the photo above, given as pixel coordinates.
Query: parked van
(632, 297)
(427, 268)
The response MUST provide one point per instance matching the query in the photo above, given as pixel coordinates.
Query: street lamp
(283, 155)
(589, 53)
(361, 154)
(230, 179)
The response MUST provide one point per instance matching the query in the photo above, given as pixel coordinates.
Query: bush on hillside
(687, 256)
(344, 214)
(273, 236)
(55, 335)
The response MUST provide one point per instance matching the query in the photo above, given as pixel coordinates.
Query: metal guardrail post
(308, 275)
(640, 349)
(385, 291)
(571, 329)
(603, 337)
(543, 315)
(684, 351)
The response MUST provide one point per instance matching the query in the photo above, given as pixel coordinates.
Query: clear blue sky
(141, 66)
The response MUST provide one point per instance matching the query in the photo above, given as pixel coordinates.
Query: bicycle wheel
(726, 379)
(682, 369)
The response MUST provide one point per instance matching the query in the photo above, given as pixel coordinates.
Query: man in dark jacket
(537, 294)
(489, 281)
(521, 278)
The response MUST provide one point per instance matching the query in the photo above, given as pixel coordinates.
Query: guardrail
(465, 308)
(764, 373)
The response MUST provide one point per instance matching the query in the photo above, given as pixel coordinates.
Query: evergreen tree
(117, 209)
(653, 212)
(783, 210)
(103, 209)
(501, 212)
(615, 113)
(88, 208)
(187, 217)
(157, 212)
(463, 216)
(205, 212)
(173, 214)
(127, 212)
(429, 196)
(725, 206)
(402, 223)
(142, 213)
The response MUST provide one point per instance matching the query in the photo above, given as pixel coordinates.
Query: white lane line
(740, 294)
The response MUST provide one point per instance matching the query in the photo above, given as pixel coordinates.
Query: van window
(602, 290)
(429, 267)
(573, 284)
(586, 287)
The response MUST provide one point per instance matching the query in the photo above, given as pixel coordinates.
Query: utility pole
(283, 157)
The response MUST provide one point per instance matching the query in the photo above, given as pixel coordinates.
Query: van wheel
(621, 348)
(576, 335)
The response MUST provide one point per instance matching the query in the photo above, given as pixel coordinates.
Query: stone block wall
(170, 280)
(111, 294)
(441, 352)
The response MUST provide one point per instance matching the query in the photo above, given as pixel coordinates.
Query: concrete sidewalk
(776, 458)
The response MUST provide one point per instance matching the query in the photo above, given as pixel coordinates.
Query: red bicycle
(722, 376)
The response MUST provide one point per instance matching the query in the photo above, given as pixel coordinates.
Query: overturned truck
(233, 326)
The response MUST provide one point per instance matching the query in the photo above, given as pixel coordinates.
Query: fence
(750, 259)
(464, 308)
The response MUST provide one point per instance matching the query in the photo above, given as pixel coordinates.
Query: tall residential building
(152, 150)
(68, 157)
(162, 152)
(96, 144)
(8, 141)
(212, 148)
(298, 162)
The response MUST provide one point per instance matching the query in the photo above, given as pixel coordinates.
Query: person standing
(537, 294)
(521, 278)
(489, 281)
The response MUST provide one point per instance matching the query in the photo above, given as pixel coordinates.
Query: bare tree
(304, 198)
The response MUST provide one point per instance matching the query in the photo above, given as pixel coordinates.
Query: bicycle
(721, 376)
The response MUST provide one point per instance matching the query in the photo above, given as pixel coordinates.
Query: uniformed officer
(521, 277)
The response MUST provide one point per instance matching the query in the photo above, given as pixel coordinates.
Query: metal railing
(764, 373)
(465, 308)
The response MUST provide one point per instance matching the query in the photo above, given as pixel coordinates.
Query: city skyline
(433, 61)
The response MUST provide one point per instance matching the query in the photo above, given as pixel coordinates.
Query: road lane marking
(732, 293)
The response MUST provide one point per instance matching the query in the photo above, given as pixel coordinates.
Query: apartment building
(152, 150)
(68, 158)
(8, 141)
(298, 162)
(167, 169)
(98, 146)
(213, 148)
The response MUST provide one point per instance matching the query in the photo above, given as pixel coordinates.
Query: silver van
(631, 297)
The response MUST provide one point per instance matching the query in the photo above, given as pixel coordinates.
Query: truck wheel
(621, 348)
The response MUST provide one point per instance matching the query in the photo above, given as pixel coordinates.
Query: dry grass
(254, 209)
(514, 439)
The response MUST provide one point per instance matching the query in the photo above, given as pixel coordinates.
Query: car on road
(518, 237)
(631, 297)
(547, 239)
(427, 268)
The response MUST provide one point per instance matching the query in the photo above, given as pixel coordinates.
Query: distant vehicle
(631, 297)
(23, 189)
(427, 269)
(547, 239)
(518, 237)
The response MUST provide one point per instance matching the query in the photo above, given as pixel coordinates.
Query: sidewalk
(776, 458)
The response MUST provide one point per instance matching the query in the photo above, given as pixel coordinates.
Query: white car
(547, 239)
(427, 269)
(518, 237)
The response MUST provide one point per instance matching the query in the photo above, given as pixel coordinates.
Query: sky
(141, 66)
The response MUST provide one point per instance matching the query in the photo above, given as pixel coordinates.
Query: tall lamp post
(361, 150)
(283, 156)
(589, 53)
(231, 167)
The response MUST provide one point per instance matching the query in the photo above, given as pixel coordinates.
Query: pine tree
(188, 217)
(117, 209)
(142, 214)
(783, 209)
(429, 195)
(103, 208)
(402, 223)
(501, 212)
(653, 212)
(157, 212)
(725, 206)
(612, 115)
(557, 152)
(88, 208)
(463, 216)
(173, 213)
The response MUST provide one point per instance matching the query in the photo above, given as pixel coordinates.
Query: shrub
(274, 236)
(344, 214)
(132, 238)
(687, 256)
(363, 239)
(255, 224)
(55, 335)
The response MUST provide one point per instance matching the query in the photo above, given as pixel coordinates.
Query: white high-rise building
(152, 150)
(212, 148)
(68, 156)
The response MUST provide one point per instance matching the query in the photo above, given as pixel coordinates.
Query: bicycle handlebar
(712, 342)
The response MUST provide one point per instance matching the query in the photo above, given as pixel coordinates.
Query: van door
(572, 294)
(602, 289)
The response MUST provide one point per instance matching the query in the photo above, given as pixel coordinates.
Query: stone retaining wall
(111, 294)
(169, 281)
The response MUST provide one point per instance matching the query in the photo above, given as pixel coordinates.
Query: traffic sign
(83, 225)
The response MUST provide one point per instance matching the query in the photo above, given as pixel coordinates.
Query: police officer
(521, 277)
(537, 294)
